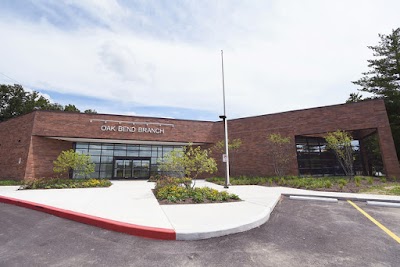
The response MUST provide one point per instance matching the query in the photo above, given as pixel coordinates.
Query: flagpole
(226, 156)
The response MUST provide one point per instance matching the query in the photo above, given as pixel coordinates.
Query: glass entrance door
(132, 168)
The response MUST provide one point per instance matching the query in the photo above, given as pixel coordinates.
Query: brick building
(129, 146)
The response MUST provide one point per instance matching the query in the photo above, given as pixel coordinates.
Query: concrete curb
(257, 221)
(355, 198)
(324, 199)
(127, 228)
(383, 204)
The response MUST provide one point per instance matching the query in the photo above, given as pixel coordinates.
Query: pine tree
(383, 79)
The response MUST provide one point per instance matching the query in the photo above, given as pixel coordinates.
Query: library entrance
(131, 168)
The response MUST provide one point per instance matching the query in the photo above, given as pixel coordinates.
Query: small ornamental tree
(192, 161)
(340, 143)
(69, 160)
(280, 150)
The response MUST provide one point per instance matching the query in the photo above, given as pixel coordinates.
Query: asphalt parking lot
(299, 233)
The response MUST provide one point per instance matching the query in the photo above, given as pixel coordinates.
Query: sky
(163, 58)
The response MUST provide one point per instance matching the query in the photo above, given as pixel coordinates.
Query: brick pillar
(388, 152)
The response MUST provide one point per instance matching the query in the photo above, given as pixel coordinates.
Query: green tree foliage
(383, 79)
(193, 161)
(71, 108)
(280, 150)
(90, 111)
(70, 160)
(54, 106)
(232, 146)
(354, 97)
(15, 101)
(340, 143)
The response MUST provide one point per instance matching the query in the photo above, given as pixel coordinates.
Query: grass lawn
(359, 184)
(389, 189)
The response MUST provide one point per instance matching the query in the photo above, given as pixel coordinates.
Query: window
(314, 158)
(103, 154)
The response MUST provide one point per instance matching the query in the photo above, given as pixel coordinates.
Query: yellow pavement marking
(390, 233)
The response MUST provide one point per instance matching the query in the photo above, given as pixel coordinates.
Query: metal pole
(227, 183)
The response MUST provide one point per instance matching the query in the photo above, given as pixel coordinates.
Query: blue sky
(162, 58)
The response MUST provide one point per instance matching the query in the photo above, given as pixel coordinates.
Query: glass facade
(124, 160)
(314, 158)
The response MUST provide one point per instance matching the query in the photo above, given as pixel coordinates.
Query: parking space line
(387, 231)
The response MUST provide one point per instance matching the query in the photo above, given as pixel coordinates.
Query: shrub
(180, 189)
(357, 180)
(342, 183)
(282, 181)
(395, 191)
(10, 182)
(167, 181)
(328, 184)
(383, 179)
(56, 183)
(172, 193)
(370, 180)
(197, 196)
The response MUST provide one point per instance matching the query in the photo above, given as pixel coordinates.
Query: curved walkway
(130, 207)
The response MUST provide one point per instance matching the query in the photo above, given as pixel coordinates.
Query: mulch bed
(349, 188)
(190, 201)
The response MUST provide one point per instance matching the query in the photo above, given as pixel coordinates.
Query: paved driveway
(299, 233)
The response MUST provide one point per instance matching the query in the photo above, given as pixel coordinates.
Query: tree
(280, 150)
(69, 160)
(233, 147)
(192, 161)
(340, 143)
(54, 106)
(383, 79)
(71, 108)
(354, 97)
(90, 111)
(14, 101)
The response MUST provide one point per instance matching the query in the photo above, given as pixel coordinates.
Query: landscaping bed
(56, 183)
(359, 184)
(9, 182)
(181, 191)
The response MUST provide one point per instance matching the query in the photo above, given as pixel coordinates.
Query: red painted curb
(127, 228)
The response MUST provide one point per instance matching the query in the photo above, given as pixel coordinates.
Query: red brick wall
(79, 125)
(15, 137)
(41, 156)
(254, 158)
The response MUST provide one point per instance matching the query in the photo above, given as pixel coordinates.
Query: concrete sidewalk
(131, 205)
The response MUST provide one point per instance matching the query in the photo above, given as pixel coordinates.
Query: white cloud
(279, 55)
